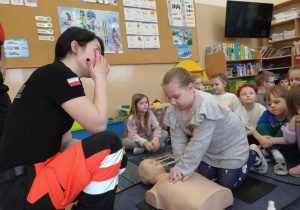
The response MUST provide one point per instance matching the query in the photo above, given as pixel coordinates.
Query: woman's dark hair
(82, 36)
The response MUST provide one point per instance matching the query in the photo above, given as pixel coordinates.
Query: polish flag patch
(74, 81)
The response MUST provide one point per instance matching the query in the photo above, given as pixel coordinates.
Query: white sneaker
(162, 145)
(138, 150)
(264, 166)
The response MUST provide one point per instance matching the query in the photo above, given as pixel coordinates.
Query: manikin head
(149, 169)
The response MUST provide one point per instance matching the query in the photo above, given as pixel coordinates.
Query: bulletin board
(19, 23)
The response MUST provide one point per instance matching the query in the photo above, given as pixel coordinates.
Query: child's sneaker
(138, 150)
(267, 156)
(162, 145)
(280, 167)
(260, 164)
(295, 171)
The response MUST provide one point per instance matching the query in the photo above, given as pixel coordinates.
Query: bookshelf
(285, 25)
(279, 64)
(217, 63)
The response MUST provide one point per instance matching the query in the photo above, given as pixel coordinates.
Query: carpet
(130, 176)
(253, 189)
(284, 195)
(288, 178)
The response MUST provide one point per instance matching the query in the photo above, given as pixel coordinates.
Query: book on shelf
(267, 52)
(242, 69)
(232, 51)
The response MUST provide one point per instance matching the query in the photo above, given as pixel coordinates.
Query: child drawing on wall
(82, 19)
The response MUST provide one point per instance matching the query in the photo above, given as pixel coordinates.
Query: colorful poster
(181, 13)
(17, 2)
(16, 48)
(31, 3)
(184, 52)
(104, 24)
(112, 2)
(182, 37)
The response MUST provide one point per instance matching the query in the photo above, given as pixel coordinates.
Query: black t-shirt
(36, 121)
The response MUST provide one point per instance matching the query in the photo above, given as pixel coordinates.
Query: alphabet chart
(141, 24)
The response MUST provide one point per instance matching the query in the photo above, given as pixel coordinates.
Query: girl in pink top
(143, 130)
(292, 132)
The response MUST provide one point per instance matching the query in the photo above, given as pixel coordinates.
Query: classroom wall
(125, 80)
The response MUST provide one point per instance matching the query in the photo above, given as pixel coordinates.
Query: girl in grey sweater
(206, 136)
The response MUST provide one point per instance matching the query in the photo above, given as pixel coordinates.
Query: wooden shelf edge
(252, 59)
(241, 76)
(284, 40)
(284, 4)
(284, 22)
(286, 56)
(286, 67)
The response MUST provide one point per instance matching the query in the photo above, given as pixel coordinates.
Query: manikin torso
(194, 194)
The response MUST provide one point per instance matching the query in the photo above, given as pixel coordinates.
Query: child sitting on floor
(197, 81)
(264, 80)
(143, 130)
(221, 87)
(292, 132)
(250, 111)
(294, 75)
(284, 81)
(270, 126)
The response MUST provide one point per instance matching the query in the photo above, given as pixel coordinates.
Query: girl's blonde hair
(141, 126)
(297, 67)
(184, 77)
(293, 101)
(223, 79)
(195, 77)
(277, 91)
(263, 76)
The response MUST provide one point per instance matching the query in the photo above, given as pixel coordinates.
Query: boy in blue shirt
(270, 126)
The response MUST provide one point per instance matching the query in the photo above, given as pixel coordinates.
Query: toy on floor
(195, 193)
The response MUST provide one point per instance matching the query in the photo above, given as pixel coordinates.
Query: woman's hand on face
(100, 68)
(175, 175)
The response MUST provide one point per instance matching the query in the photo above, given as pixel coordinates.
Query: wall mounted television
(248, 19)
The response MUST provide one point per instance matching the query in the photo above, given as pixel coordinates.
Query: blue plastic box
(117, 126)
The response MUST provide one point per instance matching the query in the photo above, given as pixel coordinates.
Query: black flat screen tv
(248, 19)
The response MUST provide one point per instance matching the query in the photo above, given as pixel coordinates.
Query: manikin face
(270, 83)
(248, 95)
(217, 86)
(143, 105)
(284, 83)
(198, 84)
(180, 97)
(149, 169)
(294, 77)
(276, 105)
